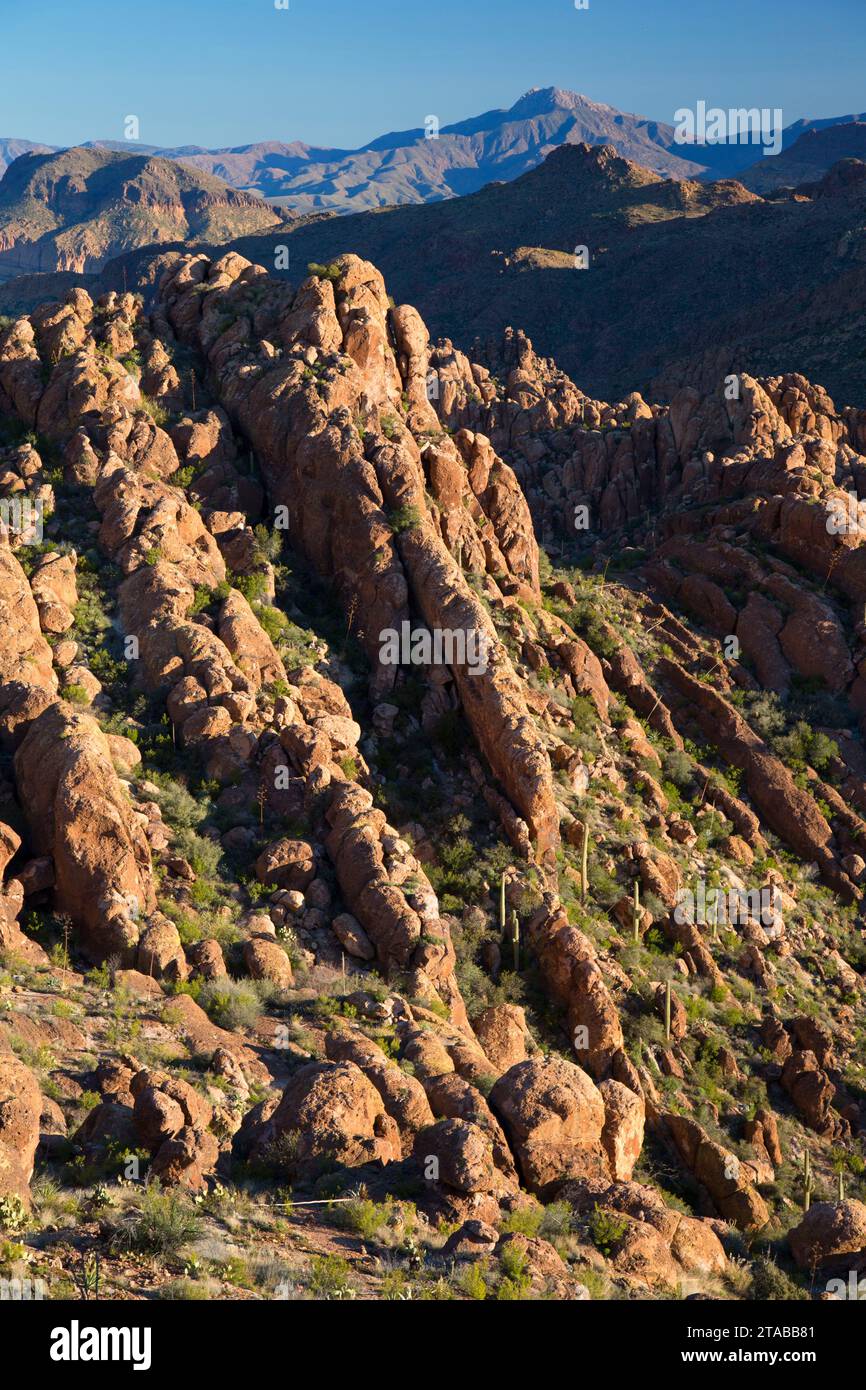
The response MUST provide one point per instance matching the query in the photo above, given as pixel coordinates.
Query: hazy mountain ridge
(810, 156)
(500, 144)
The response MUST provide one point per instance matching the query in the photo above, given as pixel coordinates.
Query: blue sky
(340, 72)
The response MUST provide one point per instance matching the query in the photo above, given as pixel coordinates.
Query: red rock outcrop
(79, 815)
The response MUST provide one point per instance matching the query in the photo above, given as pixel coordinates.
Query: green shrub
(272, 621)
(325, 272)
(363, 1216)
(178, 806)
(473, 1282)
(525, 1221)
(606, 1230)
(769, 1283)
(203, 855)
(517, 1279)
(403, 518)
(158, 413)
(75, 694)
(162, 1224)
(231, 1004)
(330, 1278)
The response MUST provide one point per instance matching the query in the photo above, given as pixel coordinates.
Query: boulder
(622, 1136)
(287, 864)
(265, 959)
(458, 1154)
(402, 1094)
(329, 1114)
(502, 1032)
(828, 1231)
(20, 1112)
(553, 1116)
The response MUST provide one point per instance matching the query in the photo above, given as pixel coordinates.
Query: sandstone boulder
(20, 1112)
(829, 1230)
(553, 1117)
(330, 1113)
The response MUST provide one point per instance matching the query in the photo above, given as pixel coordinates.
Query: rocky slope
(10, 149)
(672, 284)
(680, 278)
(535, 964)
(73, 210)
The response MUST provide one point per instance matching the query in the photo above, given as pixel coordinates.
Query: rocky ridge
(372, 929)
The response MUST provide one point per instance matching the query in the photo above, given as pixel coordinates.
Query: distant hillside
(684, 279)
(11, 149)
(74, 210)
(809, 158)
(677, 270)
(406, 167)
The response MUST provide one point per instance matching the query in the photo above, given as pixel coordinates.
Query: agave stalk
(635, 913)
(502, 916)
(807, 1180)
(515, 941)
(668, 1011)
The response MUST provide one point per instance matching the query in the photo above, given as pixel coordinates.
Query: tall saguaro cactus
(502, 921)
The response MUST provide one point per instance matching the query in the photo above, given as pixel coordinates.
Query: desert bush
(770, 1283)
(330, 1278)
(160, 1225)
(231, 1004)
(606, 1230)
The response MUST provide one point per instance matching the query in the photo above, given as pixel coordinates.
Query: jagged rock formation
(583, 890)
(319, 399)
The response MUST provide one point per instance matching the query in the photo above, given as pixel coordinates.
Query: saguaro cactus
(515, 940)
(584, 863)
(807, 1180)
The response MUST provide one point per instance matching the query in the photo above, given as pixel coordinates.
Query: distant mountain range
(677, 270)
(684, 277)
(73, 210)
(407, 167)
(686, 280)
